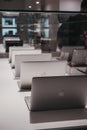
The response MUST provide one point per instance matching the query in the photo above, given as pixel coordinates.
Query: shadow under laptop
(23, 89)
(59, 116)
(73, 128)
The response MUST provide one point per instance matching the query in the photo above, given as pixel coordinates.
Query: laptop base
(27, 101)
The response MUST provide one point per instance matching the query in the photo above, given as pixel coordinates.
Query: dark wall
(12, 4)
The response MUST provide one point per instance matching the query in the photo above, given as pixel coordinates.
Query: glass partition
(48, 30)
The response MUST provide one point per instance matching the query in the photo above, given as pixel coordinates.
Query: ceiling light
(37, 2)
(29, 6)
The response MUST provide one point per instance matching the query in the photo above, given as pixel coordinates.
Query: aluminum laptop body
(30, 69)
(57, 92)
(69, 49)
(79, 56)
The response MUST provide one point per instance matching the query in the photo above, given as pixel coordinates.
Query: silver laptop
(40, 69)
(70, 49)
(57, 92)
(79, 56)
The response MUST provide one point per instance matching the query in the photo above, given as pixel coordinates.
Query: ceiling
(28, 4)
(40, 5)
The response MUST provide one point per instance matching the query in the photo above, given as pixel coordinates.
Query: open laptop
(79, 56)
(69, 49)
(30, 69)
(57, 92)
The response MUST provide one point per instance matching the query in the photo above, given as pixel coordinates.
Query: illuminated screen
(6, 32)
(8, 22)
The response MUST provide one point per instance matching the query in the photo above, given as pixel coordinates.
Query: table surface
(14, 114)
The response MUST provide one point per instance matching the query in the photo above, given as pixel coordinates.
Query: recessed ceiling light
(29, 6)
(37, 2)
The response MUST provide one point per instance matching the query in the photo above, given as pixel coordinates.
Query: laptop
(57, 92)
(69, 49)
(30, 69)
(79, 56)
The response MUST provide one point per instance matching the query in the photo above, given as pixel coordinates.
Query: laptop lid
(30, 69)
(60, 92)
(79, 56)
